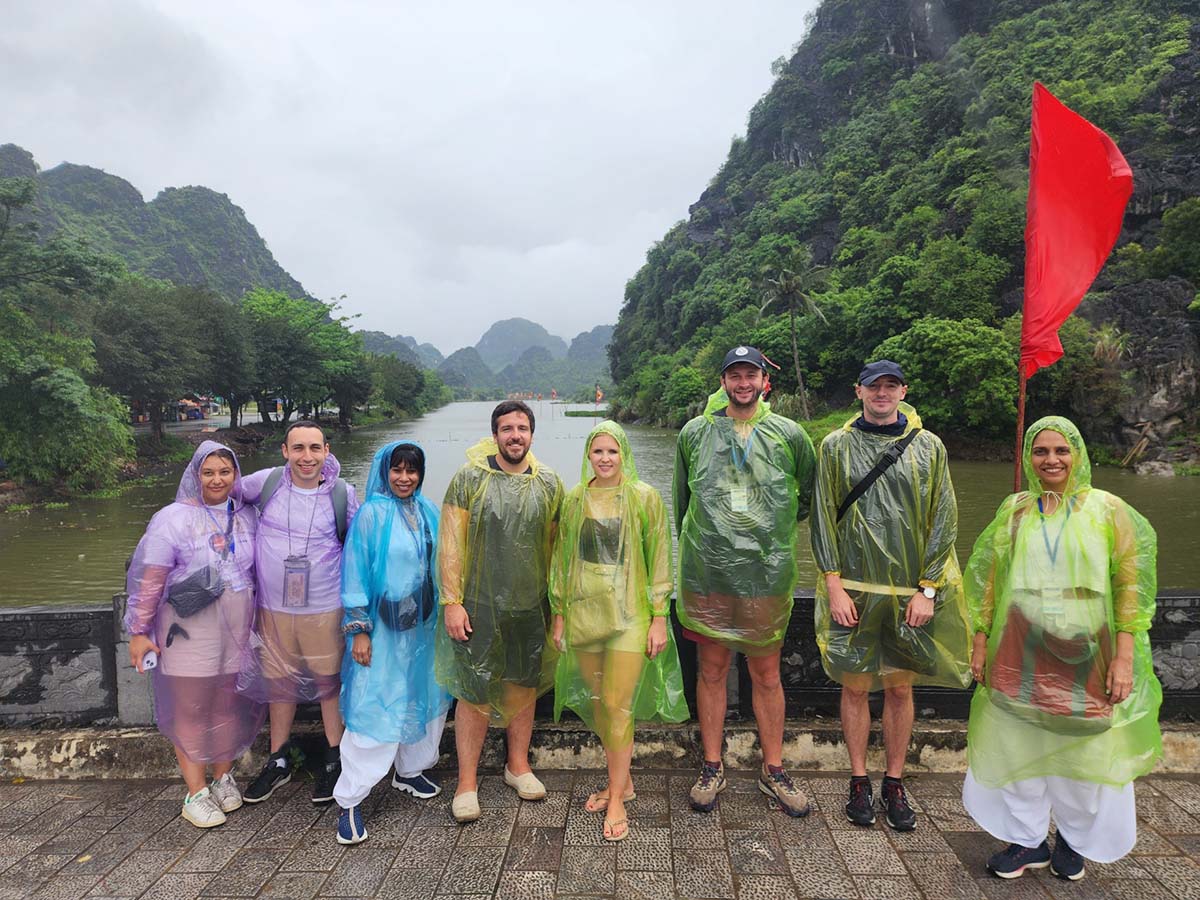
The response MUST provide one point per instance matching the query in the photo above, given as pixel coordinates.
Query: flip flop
(596, 804)
(610, 830)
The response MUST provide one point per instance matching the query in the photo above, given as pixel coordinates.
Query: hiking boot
(1013, 861)
(201, 810)
(703, 796)
(327, 776)
(860, 808)
(276, 772)
(1065, 861)
(420, 785)
(351, 829)
(225, 792)
(896, 811)
(778, 785)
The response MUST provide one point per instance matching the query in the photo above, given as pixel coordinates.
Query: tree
(791, 282)
(227, 367)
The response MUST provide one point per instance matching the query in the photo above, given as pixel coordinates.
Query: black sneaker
(1065, 862)
(897, 812)
(1012, 862)
(277, 771)
(860, 809)
(327, 776)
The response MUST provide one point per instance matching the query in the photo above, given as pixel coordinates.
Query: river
(76, 555)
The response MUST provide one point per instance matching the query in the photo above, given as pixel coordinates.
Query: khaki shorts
(311, 644)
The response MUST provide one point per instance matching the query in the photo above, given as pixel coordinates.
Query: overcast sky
(443, 165)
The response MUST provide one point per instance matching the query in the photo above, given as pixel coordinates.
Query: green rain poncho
(895, 539)
(739, 490)
(494, 546)
(610, 575)
(1051, 593)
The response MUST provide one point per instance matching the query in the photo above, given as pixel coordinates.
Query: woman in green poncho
(610, 588)
(1061, 588)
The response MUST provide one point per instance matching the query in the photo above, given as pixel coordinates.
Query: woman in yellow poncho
(1061, 588)
(610, 589)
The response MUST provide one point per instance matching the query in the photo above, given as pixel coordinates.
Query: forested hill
(187, 235)
(879, 194)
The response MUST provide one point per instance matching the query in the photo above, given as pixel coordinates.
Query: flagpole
(1020, 428)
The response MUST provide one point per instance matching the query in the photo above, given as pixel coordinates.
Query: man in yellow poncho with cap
(743, 480)
(889, 606)
(494, 544)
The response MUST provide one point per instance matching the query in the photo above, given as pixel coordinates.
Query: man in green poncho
(743, 480)
(494, 543)
(889, 607)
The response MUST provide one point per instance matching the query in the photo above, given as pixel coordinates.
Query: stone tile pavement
(125, 839)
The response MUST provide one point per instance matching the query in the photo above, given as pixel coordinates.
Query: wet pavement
(125, 839)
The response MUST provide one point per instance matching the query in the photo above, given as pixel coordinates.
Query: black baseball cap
(743, 354)
(872, 372)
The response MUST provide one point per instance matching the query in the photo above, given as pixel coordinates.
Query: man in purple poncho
(304, 510)
(191, 602)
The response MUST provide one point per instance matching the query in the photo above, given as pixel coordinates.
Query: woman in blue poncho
(393, 708)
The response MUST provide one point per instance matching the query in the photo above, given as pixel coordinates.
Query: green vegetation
(875, 208)
(587, 413)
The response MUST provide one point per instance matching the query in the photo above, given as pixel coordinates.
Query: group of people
(256, 594)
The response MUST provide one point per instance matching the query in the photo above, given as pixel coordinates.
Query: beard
(509, 458)
(744, 406)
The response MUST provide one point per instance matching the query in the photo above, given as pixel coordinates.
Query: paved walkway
(108, 839)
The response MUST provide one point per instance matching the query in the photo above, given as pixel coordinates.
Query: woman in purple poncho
(191, 602)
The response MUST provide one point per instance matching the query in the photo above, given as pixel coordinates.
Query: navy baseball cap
(743, 354)
(872, 372)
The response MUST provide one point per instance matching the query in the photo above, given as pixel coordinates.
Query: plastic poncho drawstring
(611, 574)
(388, 585)
(1052, 592)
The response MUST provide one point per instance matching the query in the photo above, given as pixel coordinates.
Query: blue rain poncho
(1051, 592)
(740, 491)
(389, 591)
(191, 590)
(610, 575)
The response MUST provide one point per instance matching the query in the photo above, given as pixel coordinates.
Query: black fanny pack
(196, 592)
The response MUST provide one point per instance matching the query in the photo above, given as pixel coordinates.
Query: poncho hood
(617, 433)
(1080, 478)
(189, 491)
(379, 484)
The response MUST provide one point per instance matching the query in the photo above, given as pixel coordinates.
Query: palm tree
(792, 281)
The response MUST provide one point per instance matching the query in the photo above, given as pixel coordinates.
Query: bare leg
(331, 718)
(282, 715)
(520, 727)
(622, 672)
(221, 768)
(713, 664)
(470, 730)
(193, 772)
(897, 725)
(856, 726)
(768, 706)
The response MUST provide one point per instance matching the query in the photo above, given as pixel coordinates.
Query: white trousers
(365, 761)
(1098, 821)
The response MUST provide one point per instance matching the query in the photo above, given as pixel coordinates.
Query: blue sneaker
(420, 786)
(351, 829)
(1013, 861)
(1066, 862)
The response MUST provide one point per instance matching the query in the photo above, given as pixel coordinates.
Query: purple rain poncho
(389, 590)
(296, 651)
(200, 647)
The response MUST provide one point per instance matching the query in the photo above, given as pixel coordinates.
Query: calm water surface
(77, 555)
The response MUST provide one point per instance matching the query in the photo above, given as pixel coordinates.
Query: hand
(919, 612)
(656, 638)
(458, 623)
(979, 656)
(556, 632)
(1120, 679)
(360, 649)
(841, 607)
(139, 646)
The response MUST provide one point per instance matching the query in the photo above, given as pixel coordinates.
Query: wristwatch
(929, 592)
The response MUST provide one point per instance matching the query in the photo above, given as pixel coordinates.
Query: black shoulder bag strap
(889, 458)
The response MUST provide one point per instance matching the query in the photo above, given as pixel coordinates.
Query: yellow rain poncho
(739, 491)
(494, 546)
(1051, 593)
(610, 575)
(895, 539)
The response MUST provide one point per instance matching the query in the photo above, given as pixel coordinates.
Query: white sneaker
(225, 792)
(201, 810)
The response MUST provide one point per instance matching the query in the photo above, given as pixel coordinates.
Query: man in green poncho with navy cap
(743, 480)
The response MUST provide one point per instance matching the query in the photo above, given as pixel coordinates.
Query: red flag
(1079, 184)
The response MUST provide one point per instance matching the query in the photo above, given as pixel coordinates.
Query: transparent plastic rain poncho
(1051, 593)
(297, 650)
(494, 547)
(389, 591)
(739, 492)
(190, 551)
(897, 538)
(610, 575)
